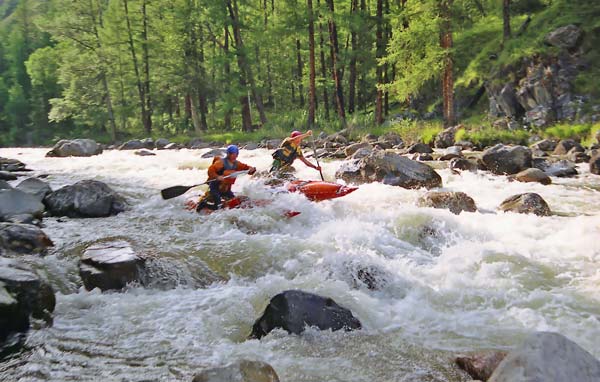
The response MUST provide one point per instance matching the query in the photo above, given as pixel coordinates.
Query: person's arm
(214, 169)
(243, 167)
(305, 135)
(306, 162)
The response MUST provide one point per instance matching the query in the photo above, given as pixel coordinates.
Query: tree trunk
(447, 76)
(354, 46)
(312, 95)
(379, 70)
(506, 18)
(335, 52)
(227, 71)
(146, 58)
(323, 67)
(299, 73)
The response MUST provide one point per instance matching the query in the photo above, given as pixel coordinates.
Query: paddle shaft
(317, 157)
(175, 191)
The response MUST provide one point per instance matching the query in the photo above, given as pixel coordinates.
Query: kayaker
(289, 151)
(221, 187)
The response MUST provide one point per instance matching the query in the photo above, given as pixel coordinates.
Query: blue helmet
(233, 149)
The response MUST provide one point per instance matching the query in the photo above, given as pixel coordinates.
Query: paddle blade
(175, 191)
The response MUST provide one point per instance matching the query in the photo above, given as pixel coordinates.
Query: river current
(447, 283)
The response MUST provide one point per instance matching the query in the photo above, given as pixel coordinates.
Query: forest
(114, 69)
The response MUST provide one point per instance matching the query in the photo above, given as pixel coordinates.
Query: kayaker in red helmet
(221, 187)
(289, 151)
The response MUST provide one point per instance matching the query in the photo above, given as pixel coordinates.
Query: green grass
(583, 133)
(489, 136)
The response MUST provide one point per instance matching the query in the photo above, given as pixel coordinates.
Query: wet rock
(547, 357)
(198, 144)
(352, 149)
(420, 148)
(480, 366)
(134, 144)
(545, 145)
(251, 146)
(173, 146)
(463, 164)
(533, 175)
(144, 153)
(4, 185)
(294, 310)
(148, 143)
(110, 266)
(465, 145)
(5, 175)
(361, 153)
(456, 202)
(564, 146)
(567, 37)
(451, 153)
(23, 238)
(578, 157)
(529, 203)
(562, 168)
(271, 143)
(161, 143)
(16, 202)
(85, 199)
(507, 160)
(241, 371)
(214, 153)
(595, 165)
(12, 165)
(422, 157)
(75, 148)
(391, 169)
(445, 138)
(35, 187)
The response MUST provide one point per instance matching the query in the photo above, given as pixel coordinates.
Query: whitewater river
(448, 283)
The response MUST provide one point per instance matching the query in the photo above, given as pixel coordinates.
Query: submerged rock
(595, 165)
(533, 175)
(507, 160)
(23, 238)
(294, 310)
(562, 168)
(456, 202)
(110, 265)
(480, 366)
(144, 153)
(85, 199)
(16, 202)
(75, 148)
(547, 357)
(12, 165)
(241, 371)
(36, 187)
(529, 203)
(463, 164)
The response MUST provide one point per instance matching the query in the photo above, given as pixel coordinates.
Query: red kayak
(317, 190)
(237, 202)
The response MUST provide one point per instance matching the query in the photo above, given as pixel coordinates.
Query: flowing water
(447, 283)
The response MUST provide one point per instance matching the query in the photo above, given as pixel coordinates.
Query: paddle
(175, 191)
(316, 156)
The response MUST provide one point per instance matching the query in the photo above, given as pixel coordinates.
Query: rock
(392, 169)
(5, 175)
(420, 148)
(134, 144)
(161, 143)
(85, 199)
(75, 148)
(110, 265)
(545, 145)
(465, 145)
(564, 146)
(4, 185)
(173, 146)
(422, 157)
(562, 168)
(371, 138)
(538, 153)
(144, 153)
(241, 371)
(370, 276)
(480, 366)
(456, 202)
(35, 187)
(451, 153)
(547, 357)
(148, 143)
(533, 175)
(11, 165)
(272, 144)
(445, 138)
(23, 238)
(251, 146)
(361, 153)
(16, 202)
(578, 157)
(392, 139)
(508, 160)
(352, 149)
(338, 138)
(463, 164)
(540, 116)
(595, 165)
(508, 102)
(293, 310)
(529, 203)
(198, 144)
(214, 153)
(567, 37)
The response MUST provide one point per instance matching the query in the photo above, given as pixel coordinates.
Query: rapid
(447, 283)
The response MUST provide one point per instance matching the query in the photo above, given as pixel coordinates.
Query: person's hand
(220, 178)
(252, 170)
(318, 168)
(309, 133)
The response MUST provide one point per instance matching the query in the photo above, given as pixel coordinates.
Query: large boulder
(595, 165)
(566, 145)
(456, 202)
(547, 357)
(445, 138)
(23, 238)
(148, 143)
(567, 37)
(480, 365)
(352, 149)
(562, 168)
(545, 145)
(507, 160)
(508, 102)
(161, 143)
(11, 165)
(35, 187)
(240, 371)
(5, 175)
(390, 168)
(16, 202)
(110, 266)
(533, 175)
(294, 310)
(463, 164)
(420, 148)
(75, 148)
(85, 199)
(451, 153)
(134, 144)
(529, 203)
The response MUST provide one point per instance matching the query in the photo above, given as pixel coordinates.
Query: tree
(506, 19)
(312, 95)
(446, 43)
(335, 61)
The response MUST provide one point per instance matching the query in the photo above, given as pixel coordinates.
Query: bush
(583, 133)
(489, 136)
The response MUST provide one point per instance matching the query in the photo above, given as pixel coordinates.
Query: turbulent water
(447, 283)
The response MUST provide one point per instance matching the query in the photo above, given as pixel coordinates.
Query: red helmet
(295, 133)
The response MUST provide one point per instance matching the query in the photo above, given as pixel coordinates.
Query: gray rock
(16, 202)
(294, 310)
(350, 150)
(161, 143)
(529, 203)
(595, 165)
(361, 153)
(545, 145)
(75, 148)
(23, 238)
(371, 138)
(271, 144)
(173, 146)
(422, 157)
(502, 159)
(563, 147)
(110, 266)
(451, 153)
(5, 175)
(463, 164)
(392, 139)
(562, 168)
(456, 202)
(148, 143)
(35, 187)
(420, 148)
(445, 138)
(4, 185)
(214, 153)
(134, 144)
(533, 175)
(85, 199)
(508, 102)
(251, 146)
(240, 371)
(480, 365)
(547, 357)
(11, 165)
(578, 157)
(144, 153)
(540, 116)
(465, 145)
(567, 37)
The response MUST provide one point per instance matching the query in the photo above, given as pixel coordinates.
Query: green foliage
(583, 133)
(489, 136)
